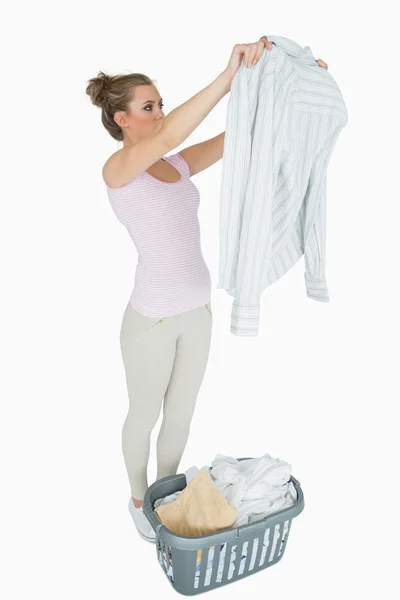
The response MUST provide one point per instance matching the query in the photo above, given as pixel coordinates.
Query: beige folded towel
(199, 510)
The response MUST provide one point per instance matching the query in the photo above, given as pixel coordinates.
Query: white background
(318, 387)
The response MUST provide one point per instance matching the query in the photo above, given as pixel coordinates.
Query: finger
(321, 63)
(252, 54)
(266, 42)
(259, 50)
(246, 56)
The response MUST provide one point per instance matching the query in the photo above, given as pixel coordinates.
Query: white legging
(164, 358)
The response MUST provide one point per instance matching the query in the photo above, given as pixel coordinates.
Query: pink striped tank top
(161, 218)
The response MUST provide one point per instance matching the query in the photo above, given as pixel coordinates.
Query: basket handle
(151, 516)
(270, 521)
(152, 493)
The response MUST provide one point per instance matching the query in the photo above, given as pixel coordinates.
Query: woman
(166, 327)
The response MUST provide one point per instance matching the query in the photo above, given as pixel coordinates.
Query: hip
(156, 301)
(197, 322)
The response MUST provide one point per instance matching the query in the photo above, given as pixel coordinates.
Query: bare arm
(203, 155)
(129, 162)
(184, 119)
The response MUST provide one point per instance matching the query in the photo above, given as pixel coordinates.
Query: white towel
(257, 487)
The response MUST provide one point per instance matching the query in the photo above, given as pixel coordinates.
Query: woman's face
(145, 111)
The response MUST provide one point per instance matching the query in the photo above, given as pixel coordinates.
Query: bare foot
(137, 503)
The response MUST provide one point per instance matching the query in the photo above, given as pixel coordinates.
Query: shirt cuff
(317, 289)
(245, 319)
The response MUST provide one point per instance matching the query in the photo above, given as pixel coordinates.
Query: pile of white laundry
(256, 487)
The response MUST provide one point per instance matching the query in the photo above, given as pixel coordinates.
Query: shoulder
(108, 176)
(116, 190)
(177, 160)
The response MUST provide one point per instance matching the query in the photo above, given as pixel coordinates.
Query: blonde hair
(113, 93)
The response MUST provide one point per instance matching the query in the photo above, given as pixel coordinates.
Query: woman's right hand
(250, 53)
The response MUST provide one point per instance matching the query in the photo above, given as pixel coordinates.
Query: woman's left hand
(319, 62)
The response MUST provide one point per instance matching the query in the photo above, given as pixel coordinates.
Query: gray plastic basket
(198, 564)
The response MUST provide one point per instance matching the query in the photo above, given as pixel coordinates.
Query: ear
(120, 119)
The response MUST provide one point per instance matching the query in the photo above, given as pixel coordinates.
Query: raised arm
(203, 155)
(127, 163)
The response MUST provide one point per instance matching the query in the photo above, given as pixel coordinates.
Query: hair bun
(98, 88)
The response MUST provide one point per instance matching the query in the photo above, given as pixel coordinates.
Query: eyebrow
(152, 101)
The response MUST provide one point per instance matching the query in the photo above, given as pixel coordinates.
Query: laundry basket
(198, 564)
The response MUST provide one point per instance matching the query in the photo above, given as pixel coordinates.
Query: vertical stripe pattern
(284, 117)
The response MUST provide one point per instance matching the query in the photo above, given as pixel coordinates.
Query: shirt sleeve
(315, 222)
(235, 168)
(251, 226)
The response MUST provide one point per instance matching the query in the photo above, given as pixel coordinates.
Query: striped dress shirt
(284, 117)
